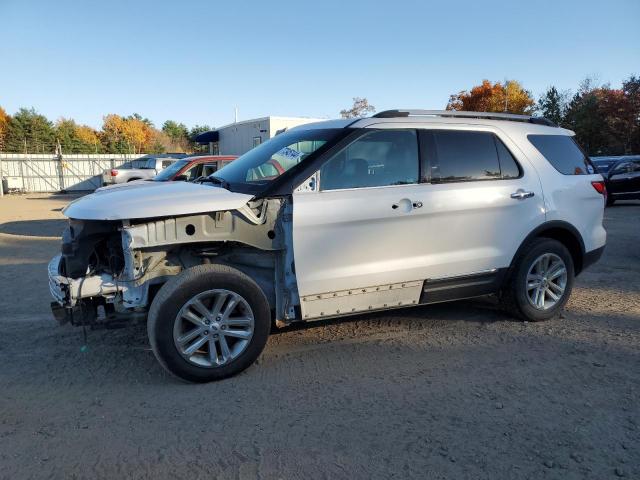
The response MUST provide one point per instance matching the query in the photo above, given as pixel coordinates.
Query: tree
(178, 135)
(138, 134)
(631, 89)
(360, 108)
(584, 117)
(552, 105)
(112, 134)
(31, 132)
(4, 127)
(497, 97)
(127, 134)
(76, 138)
(194, 132)
(89, 137)
(137, 116)
(606, 120)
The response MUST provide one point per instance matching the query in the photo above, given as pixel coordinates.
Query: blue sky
(194, 61)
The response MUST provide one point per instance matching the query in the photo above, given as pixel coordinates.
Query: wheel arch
(563, 232)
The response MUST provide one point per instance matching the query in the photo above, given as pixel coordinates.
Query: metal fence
(57, 173)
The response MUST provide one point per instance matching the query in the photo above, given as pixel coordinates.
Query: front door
(383, 221)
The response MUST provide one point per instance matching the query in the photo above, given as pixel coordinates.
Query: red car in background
(190, 168)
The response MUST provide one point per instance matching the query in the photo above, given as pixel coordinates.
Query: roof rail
(462, 114)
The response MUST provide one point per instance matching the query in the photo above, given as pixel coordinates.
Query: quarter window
(563, 153)
(376, 159)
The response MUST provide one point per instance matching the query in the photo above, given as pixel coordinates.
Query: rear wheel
(541, 281)
(208, 323)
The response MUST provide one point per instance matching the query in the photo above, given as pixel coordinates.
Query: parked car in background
(190, 168)
(621, 177)
(401, 209)
(139, 169)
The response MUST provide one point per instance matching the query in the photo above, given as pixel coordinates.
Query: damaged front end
(109, 270)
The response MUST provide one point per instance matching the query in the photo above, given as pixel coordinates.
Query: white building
(240, 137)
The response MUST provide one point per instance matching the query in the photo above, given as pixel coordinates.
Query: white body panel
(352, 239)
(154, 199)
(569, 198)
(348, 239)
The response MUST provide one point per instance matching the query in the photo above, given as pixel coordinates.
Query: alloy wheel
(213, 328)
(546, 281)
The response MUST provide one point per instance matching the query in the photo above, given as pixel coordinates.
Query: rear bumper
(592, 257)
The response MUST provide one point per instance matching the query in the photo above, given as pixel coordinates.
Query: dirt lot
(448, 391)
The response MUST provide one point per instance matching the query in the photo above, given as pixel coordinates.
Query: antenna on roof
(236, 115)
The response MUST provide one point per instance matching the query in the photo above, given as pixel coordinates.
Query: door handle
(407, 205)
(521, 194)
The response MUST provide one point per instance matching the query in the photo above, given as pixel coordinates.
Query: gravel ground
(456, 390)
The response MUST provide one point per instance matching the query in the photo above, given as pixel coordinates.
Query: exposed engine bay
(111, 269)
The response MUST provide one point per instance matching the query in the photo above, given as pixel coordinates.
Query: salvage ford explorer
(331, 219)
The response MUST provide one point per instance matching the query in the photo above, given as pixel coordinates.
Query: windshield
(169, 172)
(258, 167)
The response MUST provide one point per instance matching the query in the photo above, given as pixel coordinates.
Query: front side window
(563, 153)
(376, 159)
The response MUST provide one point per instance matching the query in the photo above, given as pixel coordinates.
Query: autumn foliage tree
(128, 134)
(74, 138)
(606, 120)
(4, 127)
(494, 97)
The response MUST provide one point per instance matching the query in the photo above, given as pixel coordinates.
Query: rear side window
(460, 156)
(563, 153)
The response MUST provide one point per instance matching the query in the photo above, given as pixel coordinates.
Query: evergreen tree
(552, 105)
(31, 132)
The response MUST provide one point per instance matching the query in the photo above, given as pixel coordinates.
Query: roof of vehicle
(409, 117)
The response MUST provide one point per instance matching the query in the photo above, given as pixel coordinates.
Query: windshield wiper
(220, 181)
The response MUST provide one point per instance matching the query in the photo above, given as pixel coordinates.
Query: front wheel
(541, 281)
(208, 323)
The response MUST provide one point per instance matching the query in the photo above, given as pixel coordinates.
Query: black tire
(133, 179)
(610, 201)
(514, 293)
(177, 292)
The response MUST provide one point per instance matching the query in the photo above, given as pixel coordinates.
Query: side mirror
(181, 178)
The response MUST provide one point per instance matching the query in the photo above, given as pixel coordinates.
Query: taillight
(114, 172)
(600, 187)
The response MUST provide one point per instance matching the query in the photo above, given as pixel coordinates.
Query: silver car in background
(139, 169)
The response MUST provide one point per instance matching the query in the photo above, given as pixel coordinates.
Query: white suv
(332, 219)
